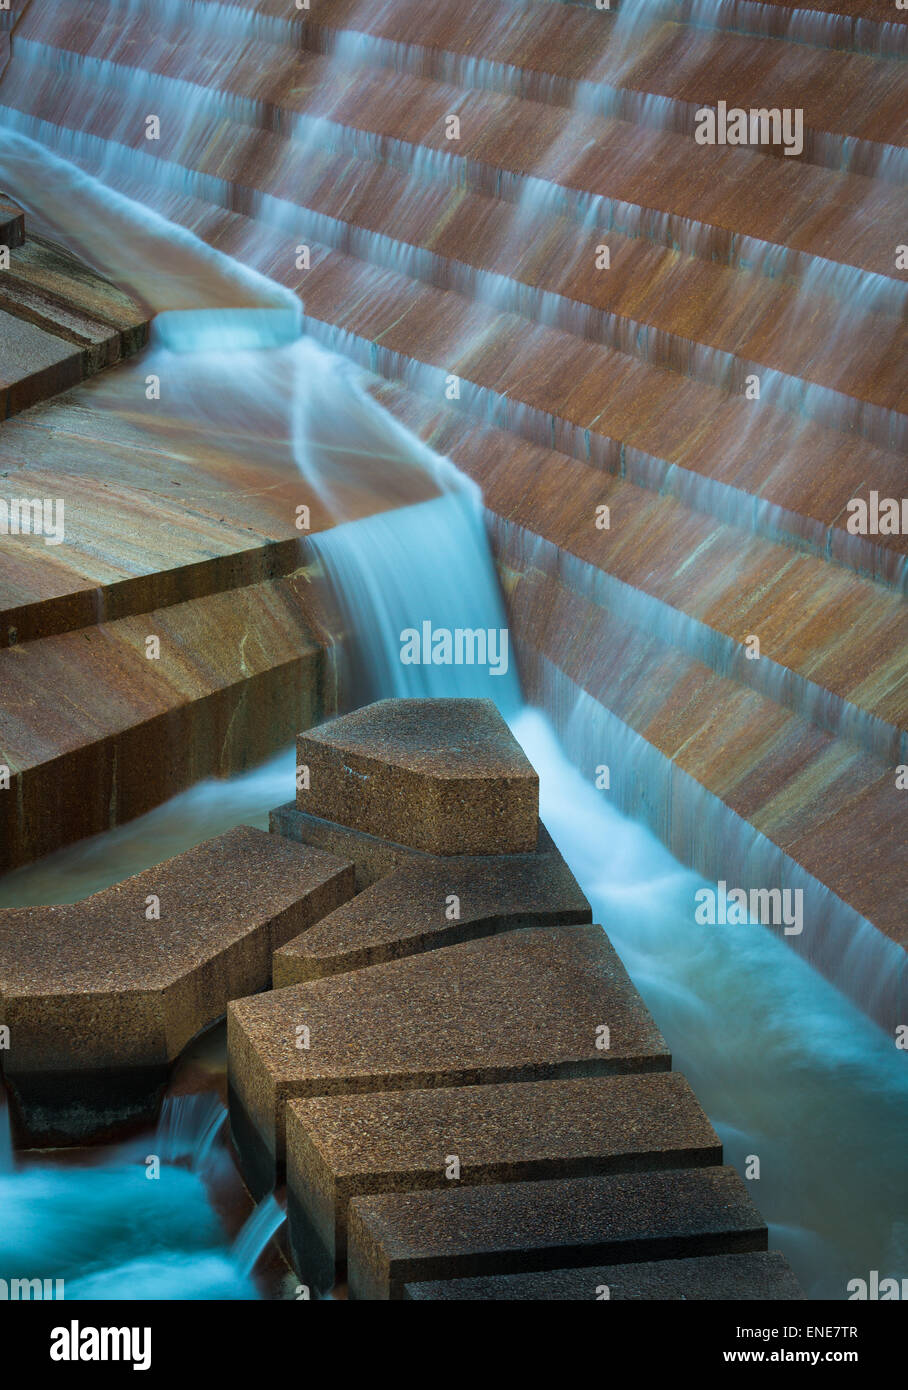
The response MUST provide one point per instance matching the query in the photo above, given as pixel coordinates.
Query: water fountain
(812, 1088)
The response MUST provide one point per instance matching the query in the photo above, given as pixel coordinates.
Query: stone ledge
(339, 1147)
(510, 1228)
(523, 1006)
(757, 1276)
(443, 776)
(96, 990)
(407, 911)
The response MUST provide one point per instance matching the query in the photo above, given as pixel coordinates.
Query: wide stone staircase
(507, 220)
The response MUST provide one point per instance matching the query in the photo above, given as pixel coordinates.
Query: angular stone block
(506, 1228)
(372, 857)
(444, 776)
(756, 1276)
(523, 1006)
(339, 1147)
(101, 995)
(412, 909)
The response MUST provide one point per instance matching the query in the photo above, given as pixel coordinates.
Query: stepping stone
(522, 1006)
(344, 1146)
(755, 1276)
(101, 995)
(507, 1228)
(372, 857)
(444, 776)
(410, 910)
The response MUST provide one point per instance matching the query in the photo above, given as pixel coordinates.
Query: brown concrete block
(397, 1238)
(373, 858)
(523, 1006)
(339, 1147)
(444, 776)
(96, 989)
(410, 910)
(755, 1276)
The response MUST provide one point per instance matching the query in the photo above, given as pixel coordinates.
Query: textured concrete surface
(411, 910)
(341, 1147)
(397, 1238)
(100, 987)
(523, 1006)
(758, 1276)
(444, 776)
(371, 856)
(728, 515)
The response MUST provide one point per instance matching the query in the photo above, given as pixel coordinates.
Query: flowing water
(111, 1226)
(788, 1070)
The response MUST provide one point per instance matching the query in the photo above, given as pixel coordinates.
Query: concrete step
(395, 1239)
(750, 322)
(566, 58)
(60, 322)
(100, 996)
(435, 903)
(522, 1006)
(237, 676)
(442, 776)
(753, 1277)
(608, 158)
(344, 1147)
(787, 799)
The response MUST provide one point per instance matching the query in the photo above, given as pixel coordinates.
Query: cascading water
(112, 1226)
(788, 1070)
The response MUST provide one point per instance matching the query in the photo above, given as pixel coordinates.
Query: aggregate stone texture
(433, 903)
(756, 1276)
(510, 1228)
(98, 984)
(339, 1147)
(444, 776)
(521, 1006)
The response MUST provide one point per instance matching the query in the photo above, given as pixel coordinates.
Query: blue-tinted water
(134, 1221)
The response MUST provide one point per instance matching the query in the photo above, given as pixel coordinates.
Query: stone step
(12, 223)
(411, 910)
(707, 321)
(608, 158)
(59, 321)
(50, 288)
(800, 798)
(395, 1239)
(529, 1005)
(803, 504)
(100, 996)
(33, 365)
(705, 582)
(443, 776)
(238, 673)
(566, 58)
(344, 1147)
(757, 1276)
